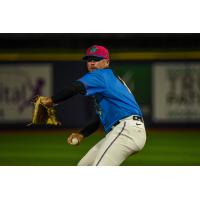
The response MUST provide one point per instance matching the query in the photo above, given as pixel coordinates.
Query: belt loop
(138, 118)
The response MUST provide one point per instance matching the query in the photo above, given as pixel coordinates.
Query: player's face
(93, 64)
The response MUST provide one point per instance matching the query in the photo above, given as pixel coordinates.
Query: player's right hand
(77, 136)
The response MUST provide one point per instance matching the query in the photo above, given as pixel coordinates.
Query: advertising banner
(18, 84)
(176, 92)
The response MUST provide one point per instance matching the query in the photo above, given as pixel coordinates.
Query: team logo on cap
(93, 49)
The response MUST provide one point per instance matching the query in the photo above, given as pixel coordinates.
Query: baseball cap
(96, 51)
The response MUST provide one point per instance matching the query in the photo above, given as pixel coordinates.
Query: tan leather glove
(47, 101)
(44, 113)
(75, 139)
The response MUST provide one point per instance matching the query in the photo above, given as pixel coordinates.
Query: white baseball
(74, 141)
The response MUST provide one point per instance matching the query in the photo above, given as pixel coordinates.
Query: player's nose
(92, 63)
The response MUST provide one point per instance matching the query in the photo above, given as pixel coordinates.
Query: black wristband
(90, 128)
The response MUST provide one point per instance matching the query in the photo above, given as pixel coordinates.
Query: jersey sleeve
(94, 82)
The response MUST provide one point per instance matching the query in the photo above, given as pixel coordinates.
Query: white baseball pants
(125, 139)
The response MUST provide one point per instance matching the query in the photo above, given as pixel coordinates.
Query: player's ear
(107, 63)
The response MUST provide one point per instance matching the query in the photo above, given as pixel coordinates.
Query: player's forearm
(75, 88)
(90, 128)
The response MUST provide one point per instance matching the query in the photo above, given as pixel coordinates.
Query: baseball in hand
(74, 141)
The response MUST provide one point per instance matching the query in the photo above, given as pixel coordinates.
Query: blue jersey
(113, 99)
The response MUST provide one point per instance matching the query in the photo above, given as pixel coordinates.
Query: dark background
(116, 41)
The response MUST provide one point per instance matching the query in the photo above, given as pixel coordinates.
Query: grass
(37, 148)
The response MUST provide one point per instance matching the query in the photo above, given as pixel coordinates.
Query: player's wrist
(81, 136)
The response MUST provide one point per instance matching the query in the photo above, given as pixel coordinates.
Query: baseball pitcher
(116, 109)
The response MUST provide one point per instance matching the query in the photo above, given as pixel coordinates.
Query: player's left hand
(75, 139)
(43, 115)
(46, 101)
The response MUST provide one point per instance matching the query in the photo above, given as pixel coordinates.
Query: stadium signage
(18, 84)
(176, 92)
